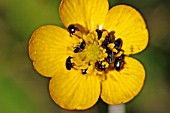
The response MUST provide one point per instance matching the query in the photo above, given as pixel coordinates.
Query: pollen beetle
(106, 42)
(111, 36)
(84, 71)
(69, 65)
(99, 66)
(80, 47)
(110, 56)
(108, 39)
(72, 29)
(99, 33)
(118, 44)
(119, 63)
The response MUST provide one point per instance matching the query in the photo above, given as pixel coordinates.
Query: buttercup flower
(91, 57)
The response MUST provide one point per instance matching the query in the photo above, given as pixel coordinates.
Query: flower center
(96, 51)
(93, 52)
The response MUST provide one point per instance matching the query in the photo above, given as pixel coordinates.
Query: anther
(69, 65)
(80, 47)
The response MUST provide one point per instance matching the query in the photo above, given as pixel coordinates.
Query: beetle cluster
(117, 62)
(72, 29)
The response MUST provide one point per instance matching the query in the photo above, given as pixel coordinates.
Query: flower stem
(116, 108)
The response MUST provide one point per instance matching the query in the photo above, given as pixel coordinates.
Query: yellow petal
(48, 49)
(87, 13)
(121, 87)
(128, 25)
(72, 90)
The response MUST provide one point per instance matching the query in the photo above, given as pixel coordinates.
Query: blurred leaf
(25, 16)
(13, 99)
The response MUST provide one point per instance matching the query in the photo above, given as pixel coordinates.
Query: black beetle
(110, 56)
(99, 66)
(119, 63)
(99, 33)
(80, 47)
(118, 44)
(69, 65)
(84, 71)
(72, 29)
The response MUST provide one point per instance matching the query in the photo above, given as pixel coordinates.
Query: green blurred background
(23, 90)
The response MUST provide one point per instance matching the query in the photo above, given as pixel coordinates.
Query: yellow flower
(90, 59)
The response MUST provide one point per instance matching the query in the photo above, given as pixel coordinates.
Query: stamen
(111, 46)
(118, 54)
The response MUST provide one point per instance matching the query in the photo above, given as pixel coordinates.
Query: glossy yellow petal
(128, 25)
(72, 90)
(87, 13)
(48, 49)
(121, 87)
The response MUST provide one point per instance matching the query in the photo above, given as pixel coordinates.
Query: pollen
(94, 52)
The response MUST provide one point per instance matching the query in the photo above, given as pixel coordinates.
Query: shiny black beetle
(69, 65)
(119, 63)
(99, 66)
(110, 56)
(80, 47)
(72, 29)
(83, 71)
(118, 44)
